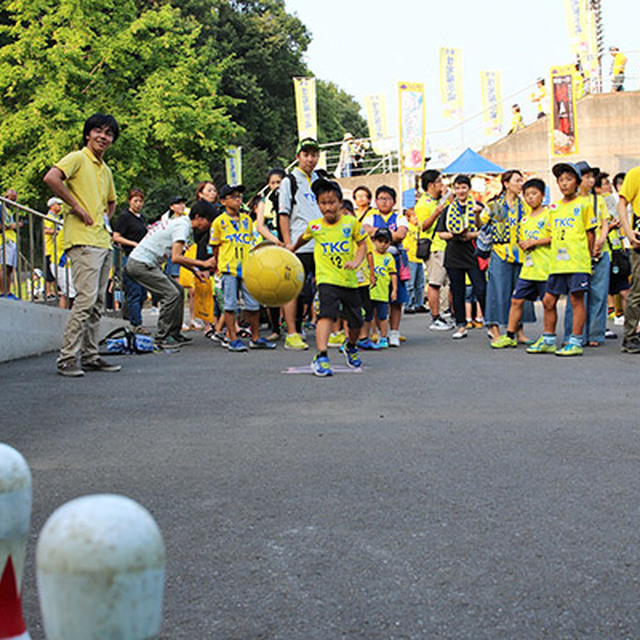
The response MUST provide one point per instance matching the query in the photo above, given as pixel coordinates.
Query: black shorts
(338, 302)
(48, 274)
(365, 303)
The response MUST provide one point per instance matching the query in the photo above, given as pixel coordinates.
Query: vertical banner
(376, 106)
(451, 82)
(491, 85)
(305, 92)
(233, 165)
(564, 133)
(582, 40)
(411, 112)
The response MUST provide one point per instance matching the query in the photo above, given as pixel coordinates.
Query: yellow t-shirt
(91, 183)
(570, 222)
(234, 236)
(384, 265)
(602, 214)
(424, 209)
(335, 244)
(630, 191)
(619, 63)
(535, 264)
(50, 239)
(8, 219)
(363, 272)
(410, 243)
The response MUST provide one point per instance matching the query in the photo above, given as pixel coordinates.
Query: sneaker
(352, 357)
(540, 346)
(336, 340)
(569, 350)
(100, 364)
(261, 343)
(422, 309)
(409, 312)
(383, 343)
(478, 324)
(402, 338)
(504, 342)
(141, 331)
(460, 333)
(237, 345)
(447, 315)
(168, 343)
(185, 327)
(469, 324)
(221, 338)
(154, 311)
(244, 333)
(180, 339)
(619, 321)
(320, 366)
(368, 345)
(70, 369)
(273, 337)
(295, 342)
(610, 335)
(439, 324)
(394, 339)
(630, 345)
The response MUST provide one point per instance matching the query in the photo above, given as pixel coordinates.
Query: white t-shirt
(305, 208)
(156, 246)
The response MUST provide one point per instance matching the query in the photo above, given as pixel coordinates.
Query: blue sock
(549, 338)
(575, 340)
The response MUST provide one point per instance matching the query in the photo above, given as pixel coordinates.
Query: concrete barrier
(30, 329)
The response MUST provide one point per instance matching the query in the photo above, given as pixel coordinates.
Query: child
(386, 283)
(232, 239)
(534, 239)
(335, 239)
(415, 285)
(572, 223)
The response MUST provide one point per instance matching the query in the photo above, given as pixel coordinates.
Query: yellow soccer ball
(273, 275)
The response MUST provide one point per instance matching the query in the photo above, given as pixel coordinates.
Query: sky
(368, 46)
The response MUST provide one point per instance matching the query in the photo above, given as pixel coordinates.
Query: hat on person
(177, 200)
(562, 167)
(584, 167)
(52, 201)
(348, 136)
(307, 144)
(382, 234)
(228, 189)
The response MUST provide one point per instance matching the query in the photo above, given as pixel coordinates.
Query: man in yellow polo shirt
(630, 195)
(84, 181)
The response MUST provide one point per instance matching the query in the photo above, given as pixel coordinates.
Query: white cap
(52, 201)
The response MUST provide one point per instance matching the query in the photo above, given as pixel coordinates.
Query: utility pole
(596, 9)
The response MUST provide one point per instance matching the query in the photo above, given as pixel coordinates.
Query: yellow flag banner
(564, 131)
(581, 33)
(491, 85)
(233, 165)
(412, 120)
(451, 82)
(376, 106)
(305, 92)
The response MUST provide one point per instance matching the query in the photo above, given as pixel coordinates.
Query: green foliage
(184, 78)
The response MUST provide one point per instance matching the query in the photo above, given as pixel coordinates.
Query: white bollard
(100, 564)
(15, 518)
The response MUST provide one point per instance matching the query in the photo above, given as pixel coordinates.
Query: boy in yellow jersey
(415, 285)
(617, 69)
(336, 260)
(232, 239)
(572, 222)
(535, 238)
(386, 283)
(51, 231)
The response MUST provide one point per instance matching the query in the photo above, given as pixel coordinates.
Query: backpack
(122, 341)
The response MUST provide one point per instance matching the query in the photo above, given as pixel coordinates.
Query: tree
(67, 59)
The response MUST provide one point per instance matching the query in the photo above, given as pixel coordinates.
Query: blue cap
(562, 167)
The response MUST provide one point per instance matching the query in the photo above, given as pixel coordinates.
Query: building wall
(608, 137)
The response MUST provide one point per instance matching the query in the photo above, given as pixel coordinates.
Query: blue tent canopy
(469, 162)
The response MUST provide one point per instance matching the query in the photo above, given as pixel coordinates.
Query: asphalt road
(448, 491)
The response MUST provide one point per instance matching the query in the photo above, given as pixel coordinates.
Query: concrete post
(15, 518)
(100, 564)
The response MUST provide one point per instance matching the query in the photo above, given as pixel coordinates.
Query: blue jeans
(415, 286)
(595, 302)
(136, 295)
(501, 283)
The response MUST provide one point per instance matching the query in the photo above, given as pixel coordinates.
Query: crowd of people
(470, 261)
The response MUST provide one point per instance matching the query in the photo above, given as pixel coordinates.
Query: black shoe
(180, 339)
(422, 309)
(99, 364)
(631, 345)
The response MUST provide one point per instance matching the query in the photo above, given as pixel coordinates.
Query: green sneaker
(539, 346)
(504, 342)
(569, 350)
